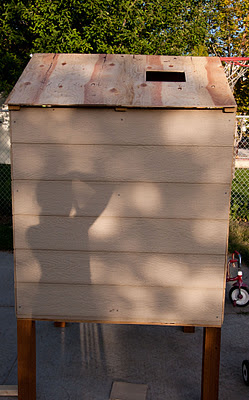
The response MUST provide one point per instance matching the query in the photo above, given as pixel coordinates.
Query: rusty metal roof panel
(114, 80)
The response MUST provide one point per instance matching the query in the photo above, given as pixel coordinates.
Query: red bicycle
(239, 292)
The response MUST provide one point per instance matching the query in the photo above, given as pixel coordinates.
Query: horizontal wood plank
(121, 234)
(154, 200)
(133, 269)
(122, 163)
(120, 303)
(8, 390)
(133, 127)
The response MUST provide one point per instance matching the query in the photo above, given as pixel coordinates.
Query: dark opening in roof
(165, 76)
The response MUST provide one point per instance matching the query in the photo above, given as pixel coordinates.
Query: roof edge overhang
(115, 80)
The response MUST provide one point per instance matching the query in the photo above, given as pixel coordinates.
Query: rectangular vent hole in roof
(165, 76)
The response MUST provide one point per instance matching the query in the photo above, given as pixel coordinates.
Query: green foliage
(187, 27)
(229, 28)
(102, 26)
(228, 37)
(13, 44)
(241, 94)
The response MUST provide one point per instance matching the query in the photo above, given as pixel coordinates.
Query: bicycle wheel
(241, 298)
(245, 371)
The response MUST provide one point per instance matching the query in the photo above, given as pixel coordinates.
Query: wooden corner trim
(229, 109)
(14, 108)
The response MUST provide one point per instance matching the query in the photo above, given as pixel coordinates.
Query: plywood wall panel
(121, 234)
(133, 127)
(122, 163)
(154, 200)
(121, 304)
(132, 269)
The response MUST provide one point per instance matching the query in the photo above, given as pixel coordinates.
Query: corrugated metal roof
(122, 80)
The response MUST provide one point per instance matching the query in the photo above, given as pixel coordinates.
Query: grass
(239, 215)
(239, 209)
(239, 239)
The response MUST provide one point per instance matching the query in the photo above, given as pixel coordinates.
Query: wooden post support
(59, 324)
(188, 329)
(210, 364)
(26, 358)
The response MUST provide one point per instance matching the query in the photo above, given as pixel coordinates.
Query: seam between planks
(118, 182)
(115, 217)
(122, 252)
(115, 285)
(122, 145)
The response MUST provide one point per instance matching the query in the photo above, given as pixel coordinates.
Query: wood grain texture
(150, 200)
(59, 324)
(122, 163)
(14, 108)
(211, 364)
(189, 329)
(124, 269)
(26, 358)
(120, 80)
(121, 303)
(121, 234)
(133, 127)
(8, 390)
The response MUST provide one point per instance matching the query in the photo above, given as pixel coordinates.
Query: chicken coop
(121, 180)
(121, 169)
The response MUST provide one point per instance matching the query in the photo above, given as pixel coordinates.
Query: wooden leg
(211, 364)
(59, 324)
(189, 329)
(26, 359)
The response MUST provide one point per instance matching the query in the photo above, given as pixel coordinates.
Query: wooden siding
(122, 269)
(122, 163)
(120, 80)
(133, 127)
(121, 304)
(121, 234)
(133, 199)
(116, 218)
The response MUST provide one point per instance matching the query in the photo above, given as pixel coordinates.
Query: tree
(103, 26)
(229, 37)
(241, 94)
(228, 32)
(187, 27)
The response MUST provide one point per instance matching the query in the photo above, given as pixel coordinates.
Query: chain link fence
(5, 174)
(240, 185)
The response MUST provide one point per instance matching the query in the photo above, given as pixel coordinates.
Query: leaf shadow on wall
(75, 234)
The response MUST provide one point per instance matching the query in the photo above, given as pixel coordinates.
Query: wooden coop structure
(121, 179)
